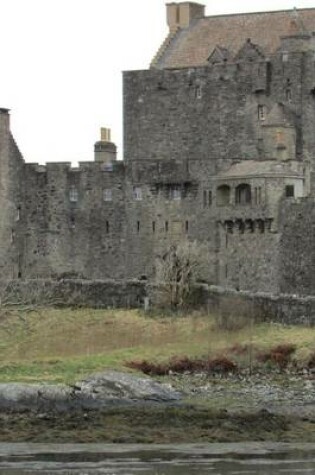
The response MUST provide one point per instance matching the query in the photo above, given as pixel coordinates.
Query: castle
(219, 140)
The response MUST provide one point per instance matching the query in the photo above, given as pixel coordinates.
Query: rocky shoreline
(120, 407)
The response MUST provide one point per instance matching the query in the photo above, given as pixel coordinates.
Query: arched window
(223, 195)
(243, 194)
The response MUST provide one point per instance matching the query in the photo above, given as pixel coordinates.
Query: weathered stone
(96, 392)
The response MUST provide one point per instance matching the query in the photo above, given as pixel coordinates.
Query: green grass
(64, 345)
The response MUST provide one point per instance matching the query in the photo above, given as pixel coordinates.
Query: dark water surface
(182, 459)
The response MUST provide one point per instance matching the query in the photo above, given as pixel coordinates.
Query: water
(186, 459)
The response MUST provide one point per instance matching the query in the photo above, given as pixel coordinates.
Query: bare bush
(176, 273)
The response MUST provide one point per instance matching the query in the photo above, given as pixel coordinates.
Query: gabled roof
(193, 45)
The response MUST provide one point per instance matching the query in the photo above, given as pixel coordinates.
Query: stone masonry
(219, 148)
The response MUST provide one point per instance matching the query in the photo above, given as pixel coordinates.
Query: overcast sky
(61, 63)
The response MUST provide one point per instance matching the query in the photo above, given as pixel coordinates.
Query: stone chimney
(4, 119)
(105, 151)
(182, 14)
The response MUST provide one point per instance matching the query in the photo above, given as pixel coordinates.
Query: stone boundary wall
(282, 308)
(73, 292)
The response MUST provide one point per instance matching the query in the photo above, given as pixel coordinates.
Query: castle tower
(11, 163)
(105, 151)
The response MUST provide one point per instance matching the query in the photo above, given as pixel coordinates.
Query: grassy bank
(64, 345)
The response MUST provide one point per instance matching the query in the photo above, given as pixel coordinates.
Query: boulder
(95, 392)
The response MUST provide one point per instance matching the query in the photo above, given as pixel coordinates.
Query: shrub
(311, 361)
(279, 355)
(184, 364)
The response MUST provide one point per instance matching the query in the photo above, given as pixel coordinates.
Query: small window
(289, 191)
(73, 195)
(166, 226)
(153, 227)
(186, 226)
(107, 227)
(138, 226)
(288, 95)
(207, 198)
(243, 194)
(285, 57)
(176, 193)
(223, 195)
(107, 195)
(137, 193)
(261, 112)
(198, 92)
(72, 222)
(108, 167)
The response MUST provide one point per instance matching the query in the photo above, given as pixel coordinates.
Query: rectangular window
(137, 193)
(285, 57)
(288, 95)
(138, 226)
(186, 226)
(107, 195)
(153, 226)
(107, 227)
(289, 191)
(261, 112)
(166, 226)
(73, 195)
(209, 198)
(198, 92)
(175, 193)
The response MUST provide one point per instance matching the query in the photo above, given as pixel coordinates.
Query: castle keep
(219, 148)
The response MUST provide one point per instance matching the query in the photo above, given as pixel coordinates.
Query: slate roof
(192, 46)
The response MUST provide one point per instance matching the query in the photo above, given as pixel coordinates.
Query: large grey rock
(95, 392)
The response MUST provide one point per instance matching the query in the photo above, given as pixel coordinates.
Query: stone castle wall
(185, 130)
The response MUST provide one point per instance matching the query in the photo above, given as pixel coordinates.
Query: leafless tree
(176, 272)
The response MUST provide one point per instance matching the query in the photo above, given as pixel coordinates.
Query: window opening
(198, 92)
(223, 195)
(138, 226)
(166, 226)
(261, 112)
(285, 56)
(73, 195)
(289, 191)
(186, 226)
(204, 199)
(176, 193)
(288, 95)
(153, 226)
(243, 194)
(72, 222)
(107, 227)
(209, 198)
(107, 195)
(137, 193)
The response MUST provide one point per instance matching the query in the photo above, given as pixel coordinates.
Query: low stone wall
(282, 308)
(288, 309)
(72, 292)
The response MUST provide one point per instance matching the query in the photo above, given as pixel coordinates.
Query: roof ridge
(224, 15)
